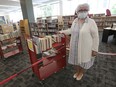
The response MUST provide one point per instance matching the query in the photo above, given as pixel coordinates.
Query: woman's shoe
(75, 75)
(79, 77)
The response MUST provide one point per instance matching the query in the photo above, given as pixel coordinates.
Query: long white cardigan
(88, 40)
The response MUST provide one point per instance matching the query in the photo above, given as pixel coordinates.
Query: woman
(84, 41)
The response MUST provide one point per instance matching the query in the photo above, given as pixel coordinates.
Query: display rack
(10, 46)
(6, 28)
(50, 64)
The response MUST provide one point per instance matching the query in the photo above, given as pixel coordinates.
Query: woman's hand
(94, 53)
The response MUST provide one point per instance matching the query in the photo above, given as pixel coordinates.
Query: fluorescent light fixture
(14, 0)
(40, 1)
(9, 6)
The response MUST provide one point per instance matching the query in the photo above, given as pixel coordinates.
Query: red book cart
(49, 65)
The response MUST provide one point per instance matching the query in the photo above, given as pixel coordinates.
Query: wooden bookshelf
(100, 22)
(41, 26)
(68, 21)
(105, 21)
(109, 20)
(50, 25)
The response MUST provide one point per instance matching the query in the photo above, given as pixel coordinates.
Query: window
(49, 9)
(96, 6)
(112, 7)
(15, 16)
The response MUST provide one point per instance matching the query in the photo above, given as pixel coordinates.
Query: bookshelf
(100, 22)
(68, 21)
(56, 23)
(10, 44)
(34, 29)
(105, 21)
(109, 20)
(6, 28)
(50, 25)
(41, 26)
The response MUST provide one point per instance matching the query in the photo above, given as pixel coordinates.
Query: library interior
(57, 43)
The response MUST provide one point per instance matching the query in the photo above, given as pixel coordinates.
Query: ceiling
(7, 6)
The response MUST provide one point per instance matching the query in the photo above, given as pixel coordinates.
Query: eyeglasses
(83, 10)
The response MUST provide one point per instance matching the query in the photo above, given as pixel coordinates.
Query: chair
(108, 13)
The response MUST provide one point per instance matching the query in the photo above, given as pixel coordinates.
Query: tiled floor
(102, 74)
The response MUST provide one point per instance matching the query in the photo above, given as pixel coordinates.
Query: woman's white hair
(85, 5)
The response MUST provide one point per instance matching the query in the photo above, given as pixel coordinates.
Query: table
(107, 32)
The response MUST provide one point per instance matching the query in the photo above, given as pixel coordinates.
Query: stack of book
(45, 43)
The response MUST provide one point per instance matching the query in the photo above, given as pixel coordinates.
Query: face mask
(82, 15)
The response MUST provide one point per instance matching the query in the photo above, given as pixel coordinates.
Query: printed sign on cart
(30, 45)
